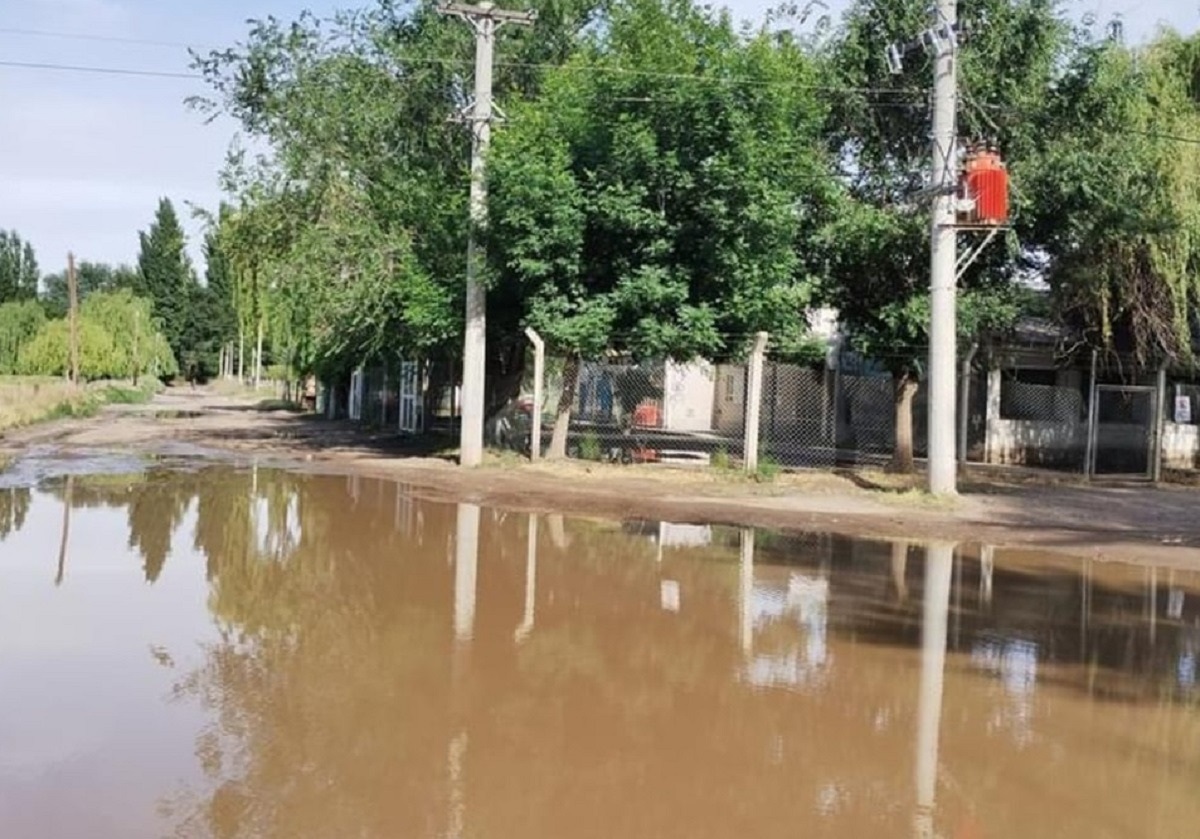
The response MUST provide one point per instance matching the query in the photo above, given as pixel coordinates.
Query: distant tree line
(156, 319)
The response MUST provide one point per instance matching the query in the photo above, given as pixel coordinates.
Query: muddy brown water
(239, 652)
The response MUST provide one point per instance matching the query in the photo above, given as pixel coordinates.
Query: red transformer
(985, 182)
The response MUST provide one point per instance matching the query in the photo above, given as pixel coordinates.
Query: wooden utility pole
(137, 335)
(485, 19)
(73, 317)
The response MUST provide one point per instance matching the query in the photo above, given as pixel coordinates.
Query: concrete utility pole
(485, 19)
(73, 317)
(943, 245)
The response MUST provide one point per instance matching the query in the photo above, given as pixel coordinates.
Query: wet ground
(223, 651)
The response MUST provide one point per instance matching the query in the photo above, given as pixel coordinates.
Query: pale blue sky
(84, 157)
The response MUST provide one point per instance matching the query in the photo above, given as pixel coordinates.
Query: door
(1123, 434)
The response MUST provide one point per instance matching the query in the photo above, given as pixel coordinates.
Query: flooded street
(239, 652)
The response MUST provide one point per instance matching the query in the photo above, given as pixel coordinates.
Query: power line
(106, 39)
(111, 71)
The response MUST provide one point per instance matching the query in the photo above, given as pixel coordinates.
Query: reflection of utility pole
(939, 568)
(987, 568)
(900, 570)
(465, 565)
(530, 581)
(485, 19)
(746, 592)
(66, 530)
(466, 560)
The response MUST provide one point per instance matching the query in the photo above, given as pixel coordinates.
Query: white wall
(1180, 446)
(688, 393)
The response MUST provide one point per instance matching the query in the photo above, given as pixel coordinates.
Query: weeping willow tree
(1117, 196)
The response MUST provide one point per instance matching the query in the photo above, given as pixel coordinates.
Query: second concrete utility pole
(485, 19)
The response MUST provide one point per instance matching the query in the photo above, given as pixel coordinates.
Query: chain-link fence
(1031, 410)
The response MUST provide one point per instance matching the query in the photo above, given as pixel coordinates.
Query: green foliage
(721, 460)
(768, 468)
(876, 249)
(19, 323)
(659, 210)
(1115, 198)
(117, 339)
(139, 348)
(165, 276)
(117, 395)
(18, 268)
(90, 277)
(48, 354)
(589, 446)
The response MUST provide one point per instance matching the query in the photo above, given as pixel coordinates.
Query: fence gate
(1123, 431)
(411, 413)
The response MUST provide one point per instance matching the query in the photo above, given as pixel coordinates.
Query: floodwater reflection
(255, 653)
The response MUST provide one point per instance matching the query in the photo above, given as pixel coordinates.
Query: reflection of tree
(328, 680)
(156, 507)
(14, 507)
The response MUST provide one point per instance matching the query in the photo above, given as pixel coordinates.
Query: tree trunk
(562, 422)
(902, 454)
(241, 355)
(258, 356)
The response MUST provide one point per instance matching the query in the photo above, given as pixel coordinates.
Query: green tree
(19, 323)
(139, 346)
(219, 283)
(90, 277)
(875, 253)
(48, 353)
(166, 276)
(653, 198)
(351, 240)
(1114, 200)
(18, 268)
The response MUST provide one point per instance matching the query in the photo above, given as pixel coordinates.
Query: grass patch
(25, 400)
(278, 405)
(589, 446)
(721, 460)
(121, 395)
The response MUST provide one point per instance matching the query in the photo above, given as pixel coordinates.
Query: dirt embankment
(1113, 522)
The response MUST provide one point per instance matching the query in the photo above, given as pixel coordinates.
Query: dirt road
(1112, 522)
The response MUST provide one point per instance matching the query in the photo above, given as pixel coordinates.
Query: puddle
(40, 463)
(251, 653)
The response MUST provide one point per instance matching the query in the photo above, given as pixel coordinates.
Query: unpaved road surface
(1110, 522)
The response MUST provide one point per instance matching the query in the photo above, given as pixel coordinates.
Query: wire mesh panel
(1124, 430)
(868, 414)
(1042, 421)
(797, 424)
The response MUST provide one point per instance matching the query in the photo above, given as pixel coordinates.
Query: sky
(84, 157)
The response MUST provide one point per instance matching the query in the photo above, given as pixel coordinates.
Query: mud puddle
(248, 652)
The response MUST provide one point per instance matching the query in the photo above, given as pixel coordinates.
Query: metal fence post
(964, 404)
(1089, 466)
(1160, 417)
(754, 403)
(539, 375)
